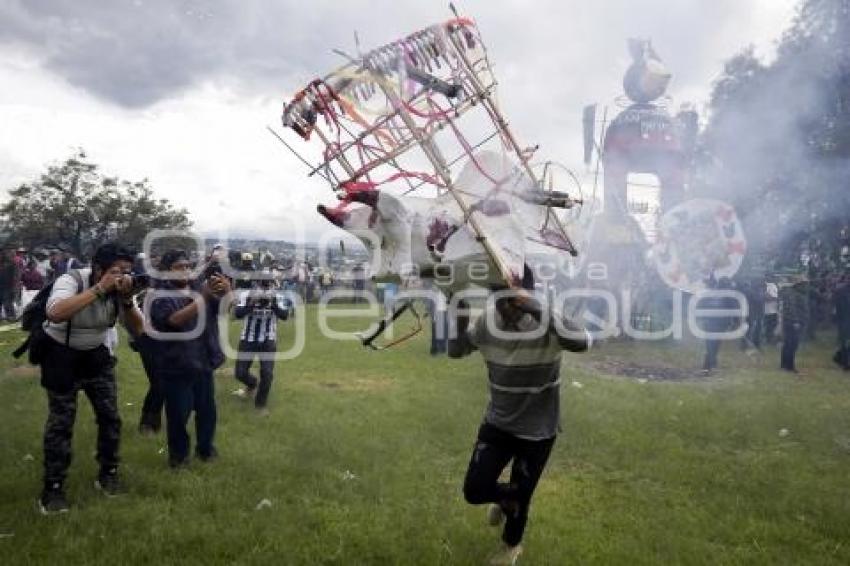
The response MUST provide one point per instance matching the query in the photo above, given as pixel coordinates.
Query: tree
(777, 144)
(75, 207)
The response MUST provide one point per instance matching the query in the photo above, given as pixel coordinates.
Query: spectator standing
(327, 280)
(186, 366)
(260, 309)
(842, 316)
(771, 311)
(439, 321)
(755, 313)
(9, 282)
(20, 264)
(794, 307)
(716, 324)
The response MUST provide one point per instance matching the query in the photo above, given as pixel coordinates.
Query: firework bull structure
(411, 139)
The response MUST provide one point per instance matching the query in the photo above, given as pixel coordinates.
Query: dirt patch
(22, 371)
(624, 368)
(357, 384)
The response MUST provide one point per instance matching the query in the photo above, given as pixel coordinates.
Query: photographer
(83, 305)
(185, 367)
(261, 309)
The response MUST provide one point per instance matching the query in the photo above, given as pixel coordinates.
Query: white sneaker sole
(99, 487)
(43, 510)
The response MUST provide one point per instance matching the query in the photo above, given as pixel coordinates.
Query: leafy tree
(75, 207)
(777, 144)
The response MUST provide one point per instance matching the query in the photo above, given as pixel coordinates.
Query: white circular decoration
(697, 239)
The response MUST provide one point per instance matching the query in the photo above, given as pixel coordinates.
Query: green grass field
(364, 454)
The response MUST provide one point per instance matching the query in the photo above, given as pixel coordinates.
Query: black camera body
(212, 268)
(140, 280)
(263, 299)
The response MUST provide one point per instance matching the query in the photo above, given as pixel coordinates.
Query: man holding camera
(261, 309)
(186, 361)
(83, 305)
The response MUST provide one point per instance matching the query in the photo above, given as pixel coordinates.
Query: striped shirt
(523, 371)
(260, 321)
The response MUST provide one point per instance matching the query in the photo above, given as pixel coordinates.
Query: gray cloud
(551, 57)
(136, 52)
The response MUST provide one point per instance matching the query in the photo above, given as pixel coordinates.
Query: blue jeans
(185, 392)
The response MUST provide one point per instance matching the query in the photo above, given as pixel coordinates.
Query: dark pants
(7, 303)
(493, 450)
(790, 341)
(64, 373)
(186, 392)
(770, 323)
(754, 331)
(842, 356)
(712, 348)
(247, 352)
(154, 398)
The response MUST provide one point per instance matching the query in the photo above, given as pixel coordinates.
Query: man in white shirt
(771, 311)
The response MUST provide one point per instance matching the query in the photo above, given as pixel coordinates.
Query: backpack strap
(75, 273)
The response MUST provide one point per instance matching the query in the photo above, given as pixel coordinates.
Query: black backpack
(32, 322)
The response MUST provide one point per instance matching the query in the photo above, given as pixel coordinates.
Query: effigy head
(647, 78)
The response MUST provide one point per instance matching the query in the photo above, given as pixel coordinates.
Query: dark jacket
(200, 354)
(9, 275)
(32, 280)
(720, 322)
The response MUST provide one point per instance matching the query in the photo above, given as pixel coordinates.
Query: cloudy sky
(180, 91)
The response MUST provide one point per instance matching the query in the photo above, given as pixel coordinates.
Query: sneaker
(263, 411)
(495, 515)
(108, 483)
(245, 393)
(52, 500)
(506, 556)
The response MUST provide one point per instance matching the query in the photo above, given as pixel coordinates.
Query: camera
(263, 299)
(140, 280)
(213, 268)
